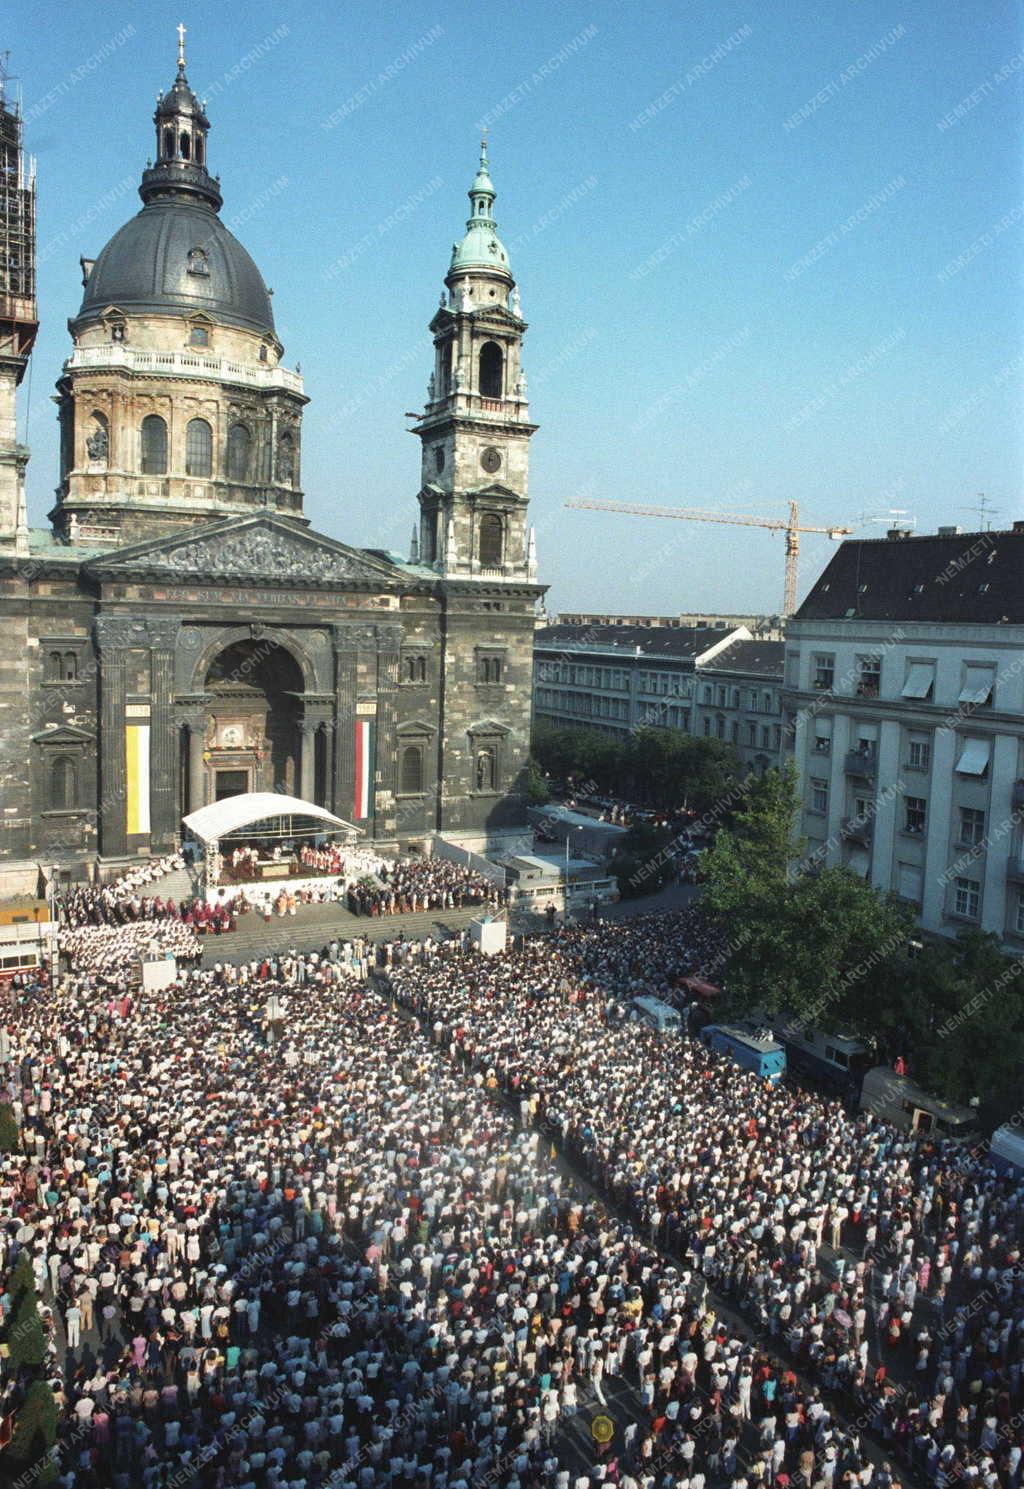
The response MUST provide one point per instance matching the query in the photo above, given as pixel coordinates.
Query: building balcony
(867, 689)
(857, 763)
(856, 830)
(190, 364)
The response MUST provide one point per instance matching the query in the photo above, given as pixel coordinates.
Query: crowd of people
(304, 1223)
(119, 902)
(404, 887)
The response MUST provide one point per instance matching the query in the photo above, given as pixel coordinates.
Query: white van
(657, 1015)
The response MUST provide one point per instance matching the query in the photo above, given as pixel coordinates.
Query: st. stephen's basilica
(179, 634)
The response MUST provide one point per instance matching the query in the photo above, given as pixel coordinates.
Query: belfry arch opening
(491, 364)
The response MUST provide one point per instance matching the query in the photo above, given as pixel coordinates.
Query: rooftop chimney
(949, 532)
(894, 534)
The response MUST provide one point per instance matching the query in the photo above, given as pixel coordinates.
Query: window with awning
(920, 680)
(977, 685)
(974, 758)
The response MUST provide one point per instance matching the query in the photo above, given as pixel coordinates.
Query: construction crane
(790, 526)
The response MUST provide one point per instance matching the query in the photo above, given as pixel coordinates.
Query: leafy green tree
(25, 1338)
(535, 784)
(968, 1039)
(35, 1433)
(748, 867)
(643, 864)
(821, 946)
(10, 1136)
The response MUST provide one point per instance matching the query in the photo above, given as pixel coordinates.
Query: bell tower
(475, 429)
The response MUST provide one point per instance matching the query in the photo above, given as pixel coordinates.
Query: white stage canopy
(221, 818)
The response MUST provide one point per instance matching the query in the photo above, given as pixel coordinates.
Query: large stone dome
(174, 257)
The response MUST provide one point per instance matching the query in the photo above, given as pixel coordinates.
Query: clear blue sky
(696, 336)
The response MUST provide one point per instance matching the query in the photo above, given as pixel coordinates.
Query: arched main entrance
(253, 736)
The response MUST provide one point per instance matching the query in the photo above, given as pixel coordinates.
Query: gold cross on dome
(181, 44)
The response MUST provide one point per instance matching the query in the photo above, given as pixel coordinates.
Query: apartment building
(713, 684)
(904, 710)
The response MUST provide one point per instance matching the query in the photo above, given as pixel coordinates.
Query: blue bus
(752, 1051)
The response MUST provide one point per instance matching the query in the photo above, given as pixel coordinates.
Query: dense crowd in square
(396, 1215)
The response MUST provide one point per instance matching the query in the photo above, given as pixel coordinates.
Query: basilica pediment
(263, 548)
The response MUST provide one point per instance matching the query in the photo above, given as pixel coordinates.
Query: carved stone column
(389, 644)
(113, 637)
(347, 639)
(195, 721)
(308, 762)
(165, 809)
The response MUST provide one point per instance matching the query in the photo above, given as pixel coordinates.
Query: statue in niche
(98, 444)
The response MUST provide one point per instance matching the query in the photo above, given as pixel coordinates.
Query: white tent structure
(264, 813)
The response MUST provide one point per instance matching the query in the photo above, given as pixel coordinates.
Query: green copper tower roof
(481, 248)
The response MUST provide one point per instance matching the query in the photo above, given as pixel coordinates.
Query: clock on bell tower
(475, 429)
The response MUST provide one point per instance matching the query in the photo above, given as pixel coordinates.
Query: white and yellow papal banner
(136, 754)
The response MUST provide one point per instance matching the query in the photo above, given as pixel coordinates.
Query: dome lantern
(181, 131)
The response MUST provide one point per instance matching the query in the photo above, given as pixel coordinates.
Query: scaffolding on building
(18, 321)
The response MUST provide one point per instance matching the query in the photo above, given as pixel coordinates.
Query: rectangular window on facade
(978, 681)
(734, 731)
(972, 826)
(766, 737)
(974, 758)
(819, 796)
(909, 882)
(914, 814)
(752, 734)
(822, 744)
(919, 754)
(869, 676)
(967, 901)
(920, 680)
(1019, 918)
(707, 728)
(823, 673)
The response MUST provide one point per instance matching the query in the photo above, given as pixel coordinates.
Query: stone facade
(180, 637)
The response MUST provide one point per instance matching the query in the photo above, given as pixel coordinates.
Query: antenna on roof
(984, 511)
(896, 519)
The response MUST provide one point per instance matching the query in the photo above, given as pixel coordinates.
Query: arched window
(490, 541)
(490, 370)
(70, 667)
(63, 784)
(199, 149)
(239, 451)
(169, 143)
(154, 446)
(54, 667)
(198, 262)
(198, 448)
(199, 336)
(412, 770)
(186, 146)
(485, 770)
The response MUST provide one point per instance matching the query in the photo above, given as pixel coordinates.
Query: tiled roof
(765, 658)
(970, 578)
(653, 641)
